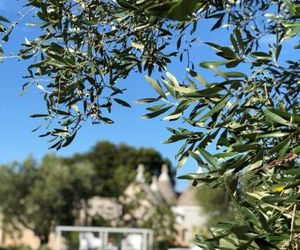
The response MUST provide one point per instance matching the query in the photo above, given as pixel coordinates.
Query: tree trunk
(44, 239)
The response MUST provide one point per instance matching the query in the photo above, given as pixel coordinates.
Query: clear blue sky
(15, 129)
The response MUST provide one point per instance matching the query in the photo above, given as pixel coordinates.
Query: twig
(293, 220)
(18, 21)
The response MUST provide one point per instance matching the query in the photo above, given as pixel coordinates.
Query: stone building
(188, 214)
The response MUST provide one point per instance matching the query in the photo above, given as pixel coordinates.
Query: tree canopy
(116, 164)
(241, 123)
(38, 197)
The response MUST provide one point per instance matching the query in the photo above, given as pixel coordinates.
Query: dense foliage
(248, 110)
(116, 164)
(38, 197)
(251, 115)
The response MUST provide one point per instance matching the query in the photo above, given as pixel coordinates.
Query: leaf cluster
(249, 117)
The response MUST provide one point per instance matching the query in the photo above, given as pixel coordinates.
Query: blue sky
(17, 139)
(15, 128)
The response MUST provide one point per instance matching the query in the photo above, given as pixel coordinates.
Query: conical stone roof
(187, 198)
(155, 189)
(165, 186)
(139, 185)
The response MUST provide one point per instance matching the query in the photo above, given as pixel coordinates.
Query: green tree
(248, 110)
(116, 164)
(57, 195)
(16, 183)
(215, 203)
(38, 197)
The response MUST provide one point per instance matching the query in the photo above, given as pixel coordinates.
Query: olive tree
(248, 110)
